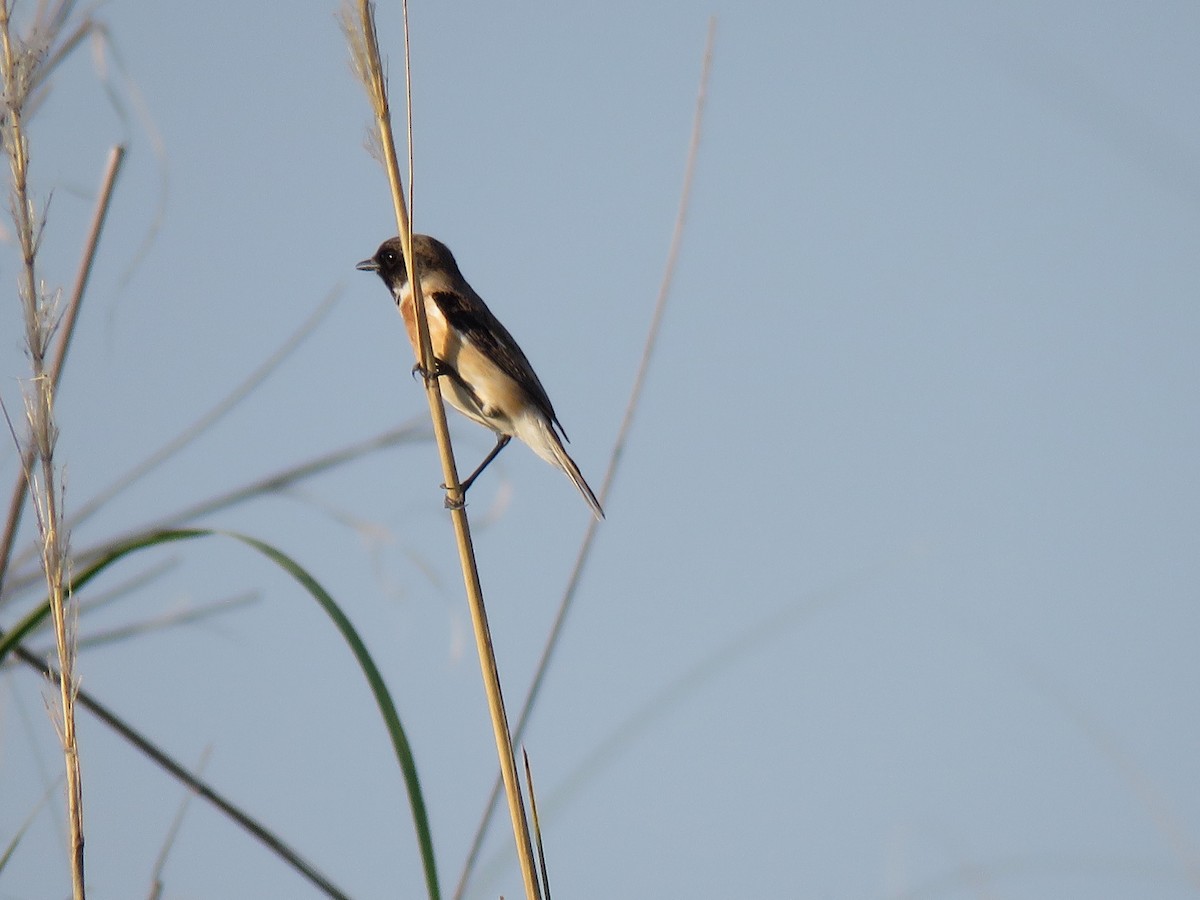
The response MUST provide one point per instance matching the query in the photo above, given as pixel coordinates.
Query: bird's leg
(501, 442)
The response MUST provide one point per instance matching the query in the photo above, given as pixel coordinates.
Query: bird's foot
(439, 369)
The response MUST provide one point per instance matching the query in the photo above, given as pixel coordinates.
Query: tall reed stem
(365, 49)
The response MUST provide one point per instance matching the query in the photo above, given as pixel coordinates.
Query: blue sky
(897, 592)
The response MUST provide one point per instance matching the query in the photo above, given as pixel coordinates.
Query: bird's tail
(539, 434)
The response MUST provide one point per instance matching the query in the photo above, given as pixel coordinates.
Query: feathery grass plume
(47, 48)
(66, 331)
(19, 64)
(358, 21)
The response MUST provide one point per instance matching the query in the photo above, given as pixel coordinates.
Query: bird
(482, 371)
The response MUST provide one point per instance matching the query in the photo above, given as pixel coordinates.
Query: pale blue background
(904, 553)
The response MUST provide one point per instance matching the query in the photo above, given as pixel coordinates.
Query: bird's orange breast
(438, 329)
(482, 391)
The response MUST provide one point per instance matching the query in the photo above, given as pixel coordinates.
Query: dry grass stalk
(359, 24)
(18, 68)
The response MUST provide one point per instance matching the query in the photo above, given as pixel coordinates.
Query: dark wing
(468, 314)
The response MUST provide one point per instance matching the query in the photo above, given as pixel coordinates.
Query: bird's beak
(368, 265)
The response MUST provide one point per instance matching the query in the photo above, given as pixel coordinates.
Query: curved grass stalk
(10, 642)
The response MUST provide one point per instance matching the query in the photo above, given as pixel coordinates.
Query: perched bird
(484, 374)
